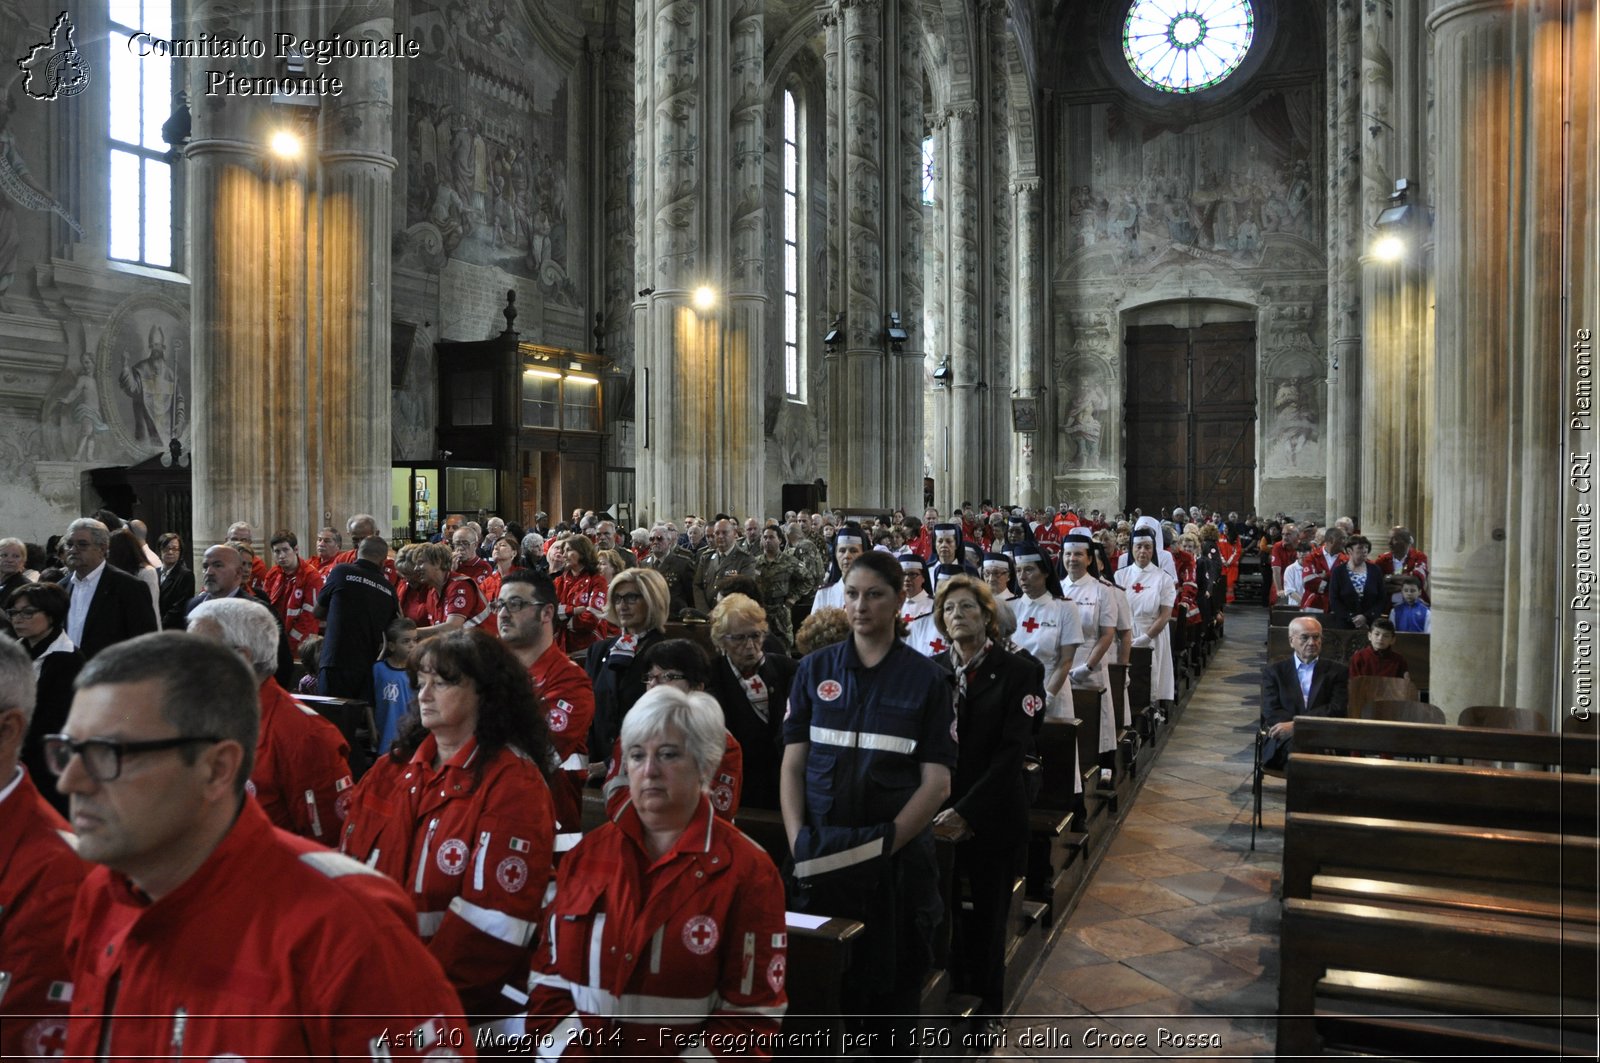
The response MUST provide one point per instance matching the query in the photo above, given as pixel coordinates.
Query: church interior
(1318, 259)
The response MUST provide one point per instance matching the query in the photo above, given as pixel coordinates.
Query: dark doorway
(1191, 416)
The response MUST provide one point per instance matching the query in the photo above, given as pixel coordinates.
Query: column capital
(1450, 10)
(1025, 184)
(963, 109)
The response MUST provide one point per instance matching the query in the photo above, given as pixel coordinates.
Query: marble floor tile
(1138, 898)
(1109, 985)
(1118, 939)
(1154, 864)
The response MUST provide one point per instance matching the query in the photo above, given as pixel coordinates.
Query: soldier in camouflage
(783, 581)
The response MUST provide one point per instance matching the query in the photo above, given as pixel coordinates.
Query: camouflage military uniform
(713, 567)
(783, 581)
(813, 561)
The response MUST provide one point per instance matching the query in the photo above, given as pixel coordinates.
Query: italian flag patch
(518, 845)
(60, 992)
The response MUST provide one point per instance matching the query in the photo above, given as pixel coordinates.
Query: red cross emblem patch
(1138, 588)
(557, 718)
(1030, 625)
(512, 874)
(937, 645)
(1032, 704)
(452, 858)
(700, 934)
(47, 1036)
(775, 971)
(722, 797)
(829, 690)
(757, 686)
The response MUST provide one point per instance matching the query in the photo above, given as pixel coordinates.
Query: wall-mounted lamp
(834, 335)
(895, 334)
(705, 297)
(1397, 223)
(941, 375)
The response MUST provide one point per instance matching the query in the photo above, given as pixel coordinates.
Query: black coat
(615, 691)
(1344, 603)
(989, 789)
(177, 587)
(56, 673)
(762, 740)
(1281, 700)
(121, 610)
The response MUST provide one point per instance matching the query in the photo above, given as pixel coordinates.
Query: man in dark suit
(108, 605)
(224, 574)
(1302, 685)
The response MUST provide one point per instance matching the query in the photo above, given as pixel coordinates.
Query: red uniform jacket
(293, 597)
(459, 597)
(478, 570)
(694, 943)
(474, 856)
(727, 786)
(275, 946)
(1188, 584)
(301, 777)
(39, 876)
(579, 628)
(414, 602)
(568, 698)
(1415, 563)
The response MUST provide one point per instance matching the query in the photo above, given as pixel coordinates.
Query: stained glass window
(792, 367)
(1187, 45)
(927, 170)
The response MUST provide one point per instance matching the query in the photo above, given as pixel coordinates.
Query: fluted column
(1028, 479)
(1472, 50)
(1344, 259)
(905, 263)
(965, 317)
(1381, 290)
(290, 294)
(699, 179)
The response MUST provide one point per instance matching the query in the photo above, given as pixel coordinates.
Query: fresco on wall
(1215, 189)
(486, 163)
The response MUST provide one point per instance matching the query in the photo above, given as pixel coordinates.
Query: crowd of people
(186, 836)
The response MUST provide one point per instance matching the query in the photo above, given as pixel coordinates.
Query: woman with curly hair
(459, 813)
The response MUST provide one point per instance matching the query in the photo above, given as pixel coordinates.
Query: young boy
(391, 686)
(1412, 614)
(1379, 658)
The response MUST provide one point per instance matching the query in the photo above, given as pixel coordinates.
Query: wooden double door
(1191, 416)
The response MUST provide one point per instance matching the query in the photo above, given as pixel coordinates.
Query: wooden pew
(1385, 970)
(1570, 753)
(1443, 793)
(353, 718)
(814, 979)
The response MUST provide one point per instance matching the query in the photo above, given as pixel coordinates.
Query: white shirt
(82, 591)
(1046, 626)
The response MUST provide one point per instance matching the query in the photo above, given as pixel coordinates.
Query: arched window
(927, 171)
(1187, 45)
(139, 214)
(793, 365)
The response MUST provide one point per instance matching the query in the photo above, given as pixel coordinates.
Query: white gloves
(1079, 675)
(1141, 641)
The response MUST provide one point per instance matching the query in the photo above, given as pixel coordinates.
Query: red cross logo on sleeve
(757, 686)
(1030, 625)
(937, 645)
(49, 1037)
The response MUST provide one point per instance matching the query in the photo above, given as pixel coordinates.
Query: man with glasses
(205, 932)
(673, 566)
(107, 604)
(1301, 685)
(39, 877)
(526, 607)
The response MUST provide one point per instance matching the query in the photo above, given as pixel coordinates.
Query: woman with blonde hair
(636, 608)
(752, 686)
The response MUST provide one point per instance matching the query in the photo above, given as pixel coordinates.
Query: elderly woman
(414, 589)
(459, 813)
(999, 695)
(1356, 592)
(38, 615)
(580, 594)
(752, 686)
(454, 600)
(13, 565)
(177, 578)
(637, 606)
(667, 925)
(502, 559)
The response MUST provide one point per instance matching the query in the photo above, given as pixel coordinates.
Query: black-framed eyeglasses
(513, 605)
(754, 638)
(25, 613)
(630, 598)
(102, 757)
(655, 678)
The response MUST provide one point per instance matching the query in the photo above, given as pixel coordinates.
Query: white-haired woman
(667, 923)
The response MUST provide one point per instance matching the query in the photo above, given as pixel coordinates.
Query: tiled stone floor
(1178, 928)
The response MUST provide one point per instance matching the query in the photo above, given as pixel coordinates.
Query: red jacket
(348, 557)
(39, 876)
(459, 597)
(293, 598)
(478, 570)
(414, 602)
(1415, 564)
(275, 946)
(568, 698)
(693, 943)
(474, 856)
(578, 628)
(301, 777)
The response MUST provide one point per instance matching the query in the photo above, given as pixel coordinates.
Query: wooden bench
(1443, 793)
(1379, 980)
(818, 957)
(1341, 645)
(353, 718)
(1574, 754)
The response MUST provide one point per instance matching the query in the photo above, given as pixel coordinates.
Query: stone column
(904, 261)
(966, 316)
(1473, 54)
(290, 276)
(699, 175)
(1344, 254)
(1028, 480)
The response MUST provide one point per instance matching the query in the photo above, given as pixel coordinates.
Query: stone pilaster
(699, 178)
(1028, 478)
(966, 315)
(1345, 231)
(290, 273)
(1473, 53)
